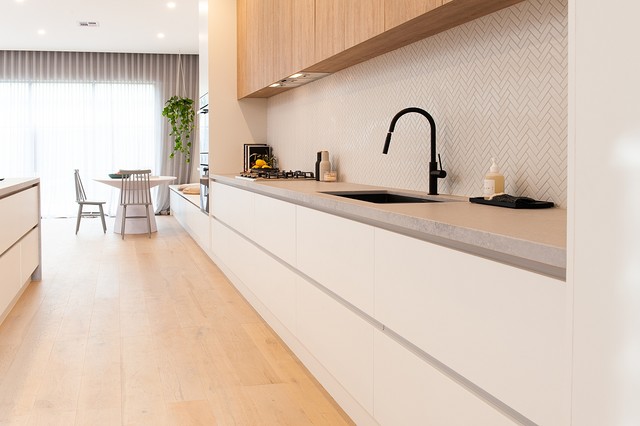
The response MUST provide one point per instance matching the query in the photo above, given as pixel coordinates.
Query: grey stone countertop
(530, 239)
(9, 186)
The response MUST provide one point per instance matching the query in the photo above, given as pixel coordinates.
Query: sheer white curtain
(94, 112)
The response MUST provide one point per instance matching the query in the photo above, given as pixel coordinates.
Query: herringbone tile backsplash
(496, 87)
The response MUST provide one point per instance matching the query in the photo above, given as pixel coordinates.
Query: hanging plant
(181, 115)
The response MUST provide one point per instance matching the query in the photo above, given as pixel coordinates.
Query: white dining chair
(81, 199)
(135, 191)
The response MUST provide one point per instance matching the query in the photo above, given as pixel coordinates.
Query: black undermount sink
(381, 197)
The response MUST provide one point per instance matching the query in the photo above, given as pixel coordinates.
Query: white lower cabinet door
(500, 327)
(409, 392)
(338, 253)
(29, 255)
(274, 284)
(275, 227)
(339, 339)
(232, 206)
(9, 276)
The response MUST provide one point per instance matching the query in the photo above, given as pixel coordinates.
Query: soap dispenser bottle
(493, 181)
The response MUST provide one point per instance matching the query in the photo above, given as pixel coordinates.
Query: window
(51, 128)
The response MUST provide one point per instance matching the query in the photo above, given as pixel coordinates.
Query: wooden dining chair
(135, 191)
(81, 199)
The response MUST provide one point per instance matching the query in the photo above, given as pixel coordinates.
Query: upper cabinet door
(330, 16)
(364, 19)
(303, 37)
(397, 12)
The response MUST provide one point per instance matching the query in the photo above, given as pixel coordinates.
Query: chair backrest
(80, 195)
(135, 188)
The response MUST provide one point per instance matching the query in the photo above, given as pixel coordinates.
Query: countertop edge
(10, 186)
(530, 255)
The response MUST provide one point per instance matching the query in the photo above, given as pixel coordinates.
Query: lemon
(266, 166)
(261, 163)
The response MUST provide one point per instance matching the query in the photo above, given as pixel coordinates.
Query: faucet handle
(439, 173)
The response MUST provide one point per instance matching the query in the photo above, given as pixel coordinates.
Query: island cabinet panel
(338, 338)
(338, 254)
(233, 207)
(409, 391)
(364, 19)
(18, 214)
(29, 254)
(500, 327)
(10, 277)
(275, 227)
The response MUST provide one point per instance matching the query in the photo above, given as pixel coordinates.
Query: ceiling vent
(88, 24)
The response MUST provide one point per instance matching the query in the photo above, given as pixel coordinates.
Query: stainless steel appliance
(204, 181)
(203, 121)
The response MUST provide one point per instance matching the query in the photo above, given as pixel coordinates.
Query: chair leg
(148, 220)
(124, 219)
(104, 224)
(79, 217)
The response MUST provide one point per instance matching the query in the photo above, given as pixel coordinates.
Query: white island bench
(20, 248)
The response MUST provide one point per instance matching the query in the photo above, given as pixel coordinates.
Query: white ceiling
(124, 25)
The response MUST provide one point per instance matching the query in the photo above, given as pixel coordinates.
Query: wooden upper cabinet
(277, 38)
(364, 19)
(329, 33)
(303, 36)
(397, 12)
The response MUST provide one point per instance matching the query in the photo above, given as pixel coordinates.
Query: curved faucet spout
(434, 173)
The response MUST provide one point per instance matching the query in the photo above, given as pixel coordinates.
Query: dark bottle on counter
(318, 165)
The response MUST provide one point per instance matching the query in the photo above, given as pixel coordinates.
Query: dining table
(135, 225)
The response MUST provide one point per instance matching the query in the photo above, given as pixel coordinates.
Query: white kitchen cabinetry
(275, 227)
(189, 215)
(500, 327)
(233, 207)
(19, 239)
(337, 253)
(271, 282)
(409, 391)
(400, 331)
(341, 340)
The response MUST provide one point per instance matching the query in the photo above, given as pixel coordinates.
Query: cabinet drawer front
(232, 206)
(408, 391)
(9, 276)
(500, 327)
(29, 254)
(275, 227)
(18, 214)
(339, 339)
(338, 253)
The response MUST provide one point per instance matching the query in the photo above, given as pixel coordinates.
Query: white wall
(604, 211)
(232, 123)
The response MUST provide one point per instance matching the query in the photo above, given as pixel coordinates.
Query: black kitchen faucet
(434, 172)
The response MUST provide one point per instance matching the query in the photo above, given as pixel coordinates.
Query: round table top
(153, 181)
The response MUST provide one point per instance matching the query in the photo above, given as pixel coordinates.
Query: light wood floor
(145, 332)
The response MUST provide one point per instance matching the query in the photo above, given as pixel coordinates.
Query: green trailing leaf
(181, 115)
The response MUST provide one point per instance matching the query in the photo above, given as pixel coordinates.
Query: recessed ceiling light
(41, 32)
(160, 35)
(296, 75)
(171, 5)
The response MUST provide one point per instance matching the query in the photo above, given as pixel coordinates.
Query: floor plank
(145, 332)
